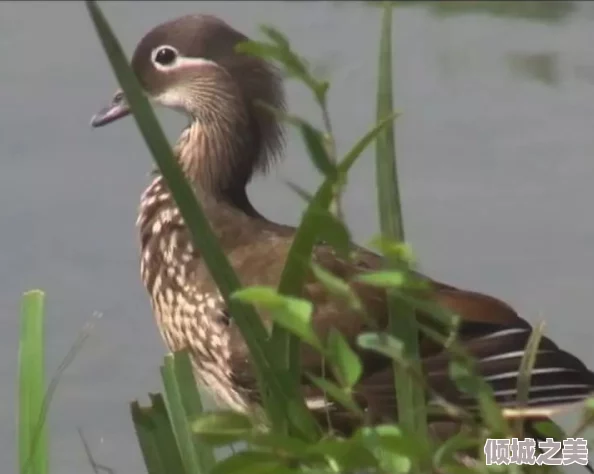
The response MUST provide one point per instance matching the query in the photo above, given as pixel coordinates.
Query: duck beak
(117, 109)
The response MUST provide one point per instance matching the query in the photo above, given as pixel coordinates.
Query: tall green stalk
(32, 432)
(410, 396)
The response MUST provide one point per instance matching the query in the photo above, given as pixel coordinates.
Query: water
(495, 147)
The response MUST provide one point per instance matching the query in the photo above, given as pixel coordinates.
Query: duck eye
(165, 56)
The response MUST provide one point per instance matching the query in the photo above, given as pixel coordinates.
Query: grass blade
(184, 404)
(410, 396)
(314, 141)
(156, 439)
(525, 372)
(277, 395)
(386, 167)
(177, 414)
(32, 432)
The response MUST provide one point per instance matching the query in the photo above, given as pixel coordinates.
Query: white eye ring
(164, 57)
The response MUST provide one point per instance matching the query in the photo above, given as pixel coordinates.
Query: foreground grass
(34, 396)
(32, 429)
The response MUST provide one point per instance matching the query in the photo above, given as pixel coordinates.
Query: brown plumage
(190, 64)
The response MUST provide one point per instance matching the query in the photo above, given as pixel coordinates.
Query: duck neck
(218, 157)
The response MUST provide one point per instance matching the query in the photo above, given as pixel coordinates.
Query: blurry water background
(495, 145)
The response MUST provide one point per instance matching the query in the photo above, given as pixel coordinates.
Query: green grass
(34, 396)
(183, 403)
(32, 430)
(410, 395)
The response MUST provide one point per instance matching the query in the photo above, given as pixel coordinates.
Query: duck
(191, 64)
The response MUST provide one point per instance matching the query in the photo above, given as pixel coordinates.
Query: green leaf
(293, 64)
(393, 249)
(32, 429)
(320, 91)
(277, 37)
(302, 193)
(251, 462)
(355, 152)
(333, 232)
(525, 371)
(180, 393)
(288, 445)
(382, 343)
(490, 411)
(191, 402)
(317, 150)
(260, 49)
(337, 286)
(384, 279)
(462, 372)
(222, 427)
(351, 454)
(342, 396)
(315, 140)
(449, 448)
(344, 360)
(263, 296)
(293, 314)
(155, 437)
(381, 432)
(440, 314)
(393, 450)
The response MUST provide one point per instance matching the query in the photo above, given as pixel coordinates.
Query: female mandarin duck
(190, 64)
